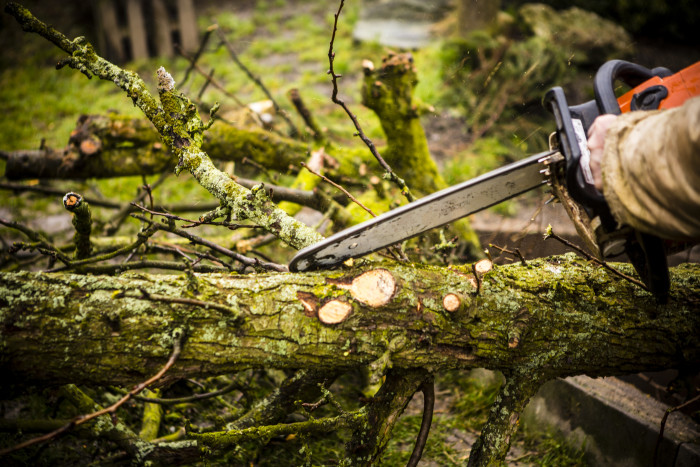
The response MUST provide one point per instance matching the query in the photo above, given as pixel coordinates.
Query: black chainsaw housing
(646, 252)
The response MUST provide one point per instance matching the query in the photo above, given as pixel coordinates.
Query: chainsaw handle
(629, 73)
(573, 123)
(572, 146)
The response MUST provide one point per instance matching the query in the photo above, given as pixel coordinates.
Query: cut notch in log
(309, 302)
(334, 312)
(374, 288)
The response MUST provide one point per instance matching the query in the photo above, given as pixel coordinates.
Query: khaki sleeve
(651, 171)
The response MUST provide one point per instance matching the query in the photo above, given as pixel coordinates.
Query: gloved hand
(596, 143)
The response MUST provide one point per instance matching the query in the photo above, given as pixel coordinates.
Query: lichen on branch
(178, 122)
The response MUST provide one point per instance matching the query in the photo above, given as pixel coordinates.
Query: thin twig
(301, 108)
(252, 262)
(195, 397)
(18, 187)
(79, 420)
(149, 189)
(149, 264)
(213, 82)
(167, 215)
(584, 253)
(258, 166)
(182, 301)
(310, 407)
(515, 252)
(278, 193)
(42, 244)
(292, 128)
(345, 192)
(206, 84)
(668, 412)
(202, 46)
(142, 237)
(118, 219)
(164, 247)
(334, 97)
(195, 223)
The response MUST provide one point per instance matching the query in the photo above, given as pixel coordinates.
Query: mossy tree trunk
(552, 318)
(112, 145)
(388, 90)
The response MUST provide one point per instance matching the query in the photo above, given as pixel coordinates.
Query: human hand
(596, 143)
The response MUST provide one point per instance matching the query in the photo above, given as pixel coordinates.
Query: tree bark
(558, 315)
(112, 145)
(550, 318)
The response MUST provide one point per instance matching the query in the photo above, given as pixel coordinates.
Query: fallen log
(559, 314)
(553, 317)
(113, 145)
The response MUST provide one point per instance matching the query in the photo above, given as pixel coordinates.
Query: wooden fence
(135, 29)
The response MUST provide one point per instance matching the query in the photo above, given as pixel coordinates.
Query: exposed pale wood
(334, 312)
(374, 288)
(451, 302)
(483, 266)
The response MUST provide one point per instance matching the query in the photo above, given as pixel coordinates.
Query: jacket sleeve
(651, 171)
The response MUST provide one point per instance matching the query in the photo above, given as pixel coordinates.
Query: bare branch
(252, 262)
(345, 192)
(368, 142)
(177, 337)
(292, 128)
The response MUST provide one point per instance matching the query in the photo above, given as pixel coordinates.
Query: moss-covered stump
(388, 91)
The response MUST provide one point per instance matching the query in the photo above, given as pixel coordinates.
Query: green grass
(43, 103)
(468, 400)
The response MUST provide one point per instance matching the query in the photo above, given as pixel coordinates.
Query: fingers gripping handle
(572, 124)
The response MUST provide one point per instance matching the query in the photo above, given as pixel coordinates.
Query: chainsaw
(565, 167)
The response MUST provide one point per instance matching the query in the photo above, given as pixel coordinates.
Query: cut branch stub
(309, 302)
(451, 302)
(334, 312)
(373, 288)
(483, 266)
